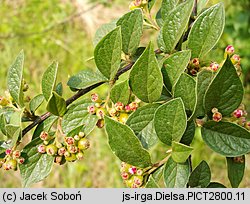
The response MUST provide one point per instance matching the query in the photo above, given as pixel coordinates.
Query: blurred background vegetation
(63, 30)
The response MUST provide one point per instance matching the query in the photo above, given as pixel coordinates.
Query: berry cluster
(71, 149)
(132, 176)
(118, 111)
(11, 160)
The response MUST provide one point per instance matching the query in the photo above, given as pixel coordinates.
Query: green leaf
(56, 105)
(145, 77)
(225, 91)
(201, 176)
(151, 183)
(216, 185)
(206, 31)
(226, 138)
(141, 122)
(189, 133)
(36, 102)
(174, 25)
(49, 80)
(44, 126)
(14, 79)
(160, 22)
(77, 115)
(108, 53)
(131, 28)
(204, 78)
(120, 93)
(235, 170)
(166, 7)
(85, 79)
(157, 175)
(103, 30)
(13, 133)
(176, 174)
(201, 5)
(174, 66)
(2, 123)
(185, 88)
(125, 145)
(59, 89)
(170, 121)
(37, 166)
(180, 152)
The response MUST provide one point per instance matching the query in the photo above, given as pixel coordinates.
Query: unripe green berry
(100, 112)
(76, 137)
(83, 144)
(71, 158)
(81, 134)
(138, 180)
(45, 142)
(13, 164)
(67, 154)
(51, 150)
(4, 101)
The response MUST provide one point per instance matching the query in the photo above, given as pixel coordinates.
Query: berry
(3, 101)
(41, 149)
(235, 59)
(95, 98)
(123, 117)
(58, 159)
(238, 113)
(6, 166)
(132, 170)
(138, 180)
(51, 150)
(125, 167)
(25, 87)
(67, 154)
(12, 164)
(133, 106)
(72, 149)
(125, 175)
(193, 72)
(69, 140)
(81, 134)
(16, 154)
(217, 117)
(61, 151)
(247, 125)
(76, 137)
(242, 121)
(214, 66)
(100, 123)
(80, 155)
(91, 109)
(239, 159)
(195, 62)
(83, 144)
(214, 110)
(139, 172)
(8, 151)
(127, 108)
(71, 158)
(119, 106)
(2, 161)
(20, 160)
(229, 50)
(100, 112)
(44, 136)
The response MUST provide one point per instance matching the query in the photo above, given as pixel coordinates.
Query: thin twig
(70, 100)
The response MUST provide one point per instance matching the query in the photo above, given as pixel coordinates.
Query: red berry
(124, 175)
(214, 66)
(41, 149)
(133, 106)
(235, 59)
(16, 154)
(69, 140)
(20, 160)
(229, 50)
(132, 170)
(127, 108)
(94, 97)
(119, 106)
(195, 62)
(91, 109)
(238, 113)
(217, 117)
(138, 180)
(44, 135)
(8, 151)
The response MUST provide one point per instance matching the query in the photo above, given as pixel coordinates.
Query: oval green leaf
(226, 138)
(206, 31)
(131, 27)
(141, 122)
(120, 93)
(170, 121)
(108, 53)
(225, 92)
(145, 78)
(201, 176)
(14, 79)
(56, 105)
(125, 145)
(180, 152)
(174, 25)
(174, 66)
(36, 102)
(49, 80)
(176, 174)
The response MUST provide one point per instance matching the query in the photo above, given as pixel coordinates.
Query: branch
(70, 100)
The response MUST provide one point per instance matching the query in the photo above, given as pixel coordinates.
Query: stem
(70, 100)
